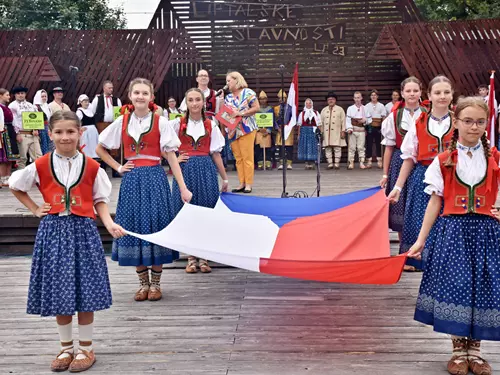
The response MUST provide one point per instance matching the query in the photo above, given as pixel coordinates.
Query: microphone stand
(284, 194)
(319, 139)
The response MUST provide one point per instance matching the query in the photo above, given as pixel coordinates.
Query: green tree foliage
(60, 14)
(448, 10)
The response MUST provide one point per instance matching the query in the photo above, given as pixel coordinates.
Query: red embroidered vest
(460, 198)
(430, 146)
(310, 122)
(149, 141)
(398, 111)
(78, 197)
(199, 148)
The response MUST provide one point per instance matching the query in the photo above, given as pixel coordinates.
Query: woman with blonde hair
(243, 101)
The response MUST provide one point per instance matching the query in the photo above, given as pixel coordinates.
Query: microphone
(282, 67)
(73, 69)
(217, 93)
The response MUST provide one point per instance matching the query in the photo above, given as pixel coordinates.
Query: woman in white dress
(90, 136)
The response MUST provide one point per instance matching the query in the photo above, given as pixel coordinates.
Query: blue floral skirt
(45, 143)
(68, 271)
(460, 289)
(308, 145)
(396, 211)
(200, 176)
(416, 204)
(144, 207)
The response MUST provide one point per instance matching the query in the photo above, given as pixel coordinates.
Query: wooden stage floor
(234, 322)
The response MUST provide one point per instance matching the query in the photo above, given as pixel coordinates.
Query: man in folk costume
(263, 139)
(212, 102)
(57, 104)
(333, 128)
(279, 116)
(356, 120)
(103, 108)
(28, 141)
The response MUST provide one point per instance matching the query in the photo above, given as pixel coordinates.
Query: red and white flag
(292, 103)
(493, 114)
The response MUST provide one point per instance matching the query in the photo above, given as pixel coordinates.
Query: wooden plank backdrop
(464, 51)
(32, 58)
(336, 60)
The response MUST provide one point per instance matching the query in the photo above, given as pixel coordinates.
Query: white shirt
(109, 114)
(111, 137)
(25, 179)
(389, 129)
(88, 112)
(376, 110)
(469, 170)
(196, 130)
(354, 112)
(409, 148)
(17, 109)
(485, 98)
(389, 106)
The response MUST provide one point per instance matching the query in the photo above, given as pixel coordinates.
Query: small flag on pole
(292, 103)
(493, 115)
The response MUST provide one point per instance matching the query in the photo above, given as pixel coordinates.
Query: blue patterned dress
(308, 143)
(199, 172)
(145, 202)
(460, 289)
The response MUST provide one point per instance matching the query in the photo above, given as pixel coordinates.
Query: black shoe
(240, 190)
(247, 191)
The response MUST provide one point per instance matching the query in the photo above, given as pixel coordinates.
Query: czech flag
(493, 111)
(292, 103)
(343, 238)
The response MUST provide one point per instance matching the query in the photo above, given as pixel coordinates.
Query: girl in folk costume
(394, 129)
(90, 136)
(9, 152)
(68, 272)
(279, 116)
(263, 138)
(377, 113)
(144, 203)
(201, 144)
(171, 107)
(40, 101)
(431, 135)
(309, 119)
(460, 290)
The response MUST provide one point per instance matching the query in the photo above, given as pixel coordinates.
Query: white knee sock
(85, 333)
(65, 336)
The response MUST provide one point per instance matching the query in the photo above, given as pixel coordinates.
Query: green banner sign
(264, 120)
(33, 121)
(116, 112)
(173, 116)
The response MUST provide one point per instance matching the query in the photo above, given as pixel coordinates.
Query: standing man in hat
(333, 130)
(58, 105)
(263, 136)
(28, 140)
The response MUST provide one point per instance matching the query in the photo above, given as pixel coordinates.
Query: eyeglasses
(481, 123)
(202, 75)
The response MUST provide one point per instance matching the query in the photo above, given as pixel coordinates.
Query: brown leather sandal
(204, 267)
(62, 364)
(479, 366)
(79, 365)
(191, 266)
